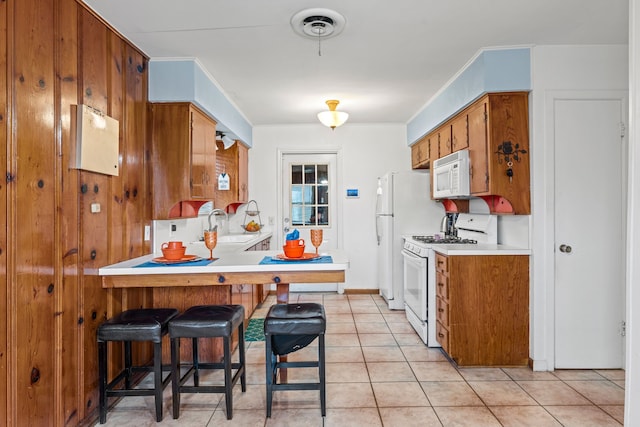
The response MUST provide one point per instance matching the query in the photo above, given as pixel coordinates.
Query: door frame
(547, 206)
(281, 152)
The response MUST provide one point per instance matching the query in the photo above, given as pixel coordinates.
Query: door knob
(565, 248)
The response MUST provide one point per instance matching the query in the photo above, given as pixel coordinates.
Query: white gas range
(419, 271)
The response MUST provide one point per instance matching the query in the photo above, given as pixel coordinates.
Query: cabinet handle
(441, 310)
(440, 284)
(440, 334)
(221, 279)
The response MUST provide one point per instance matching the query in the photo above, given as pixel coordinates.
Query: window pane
(309, 174)
(323, 174)
(309, 195)
(296, 215)
(296, 194)
(296, 174)
(323, 194)
(323, 215)
(309, 215)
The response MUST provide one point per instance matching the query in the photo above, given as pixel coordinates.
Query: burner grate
(444, 240)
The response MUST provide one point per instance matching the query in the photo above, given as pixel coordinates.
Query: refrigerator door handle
(378, 237)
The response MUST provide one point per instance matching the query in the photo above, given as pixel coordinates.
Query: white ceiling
(391, 58)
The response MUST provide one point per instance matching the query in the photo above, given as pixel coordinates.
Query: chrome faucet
(216, 212)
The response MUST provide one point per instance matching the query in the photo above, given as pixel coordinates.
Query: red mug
(294, 243)
(172, 245)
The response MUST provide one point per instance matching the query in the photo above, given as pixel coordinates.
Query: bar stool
(289, 328)
(145, 324)
(208, 321)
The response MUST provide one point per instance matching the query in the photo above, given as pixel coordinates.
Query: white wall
(554, 69)
(366, 151)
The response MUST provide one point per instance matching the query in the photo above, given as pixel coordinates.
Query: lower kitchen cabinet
(482, 306)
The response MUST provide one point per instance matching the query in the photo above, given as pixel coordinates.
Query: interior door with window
(309, 199)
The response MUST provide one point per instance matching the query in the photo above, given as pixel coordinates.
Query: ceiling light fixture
(333, 118)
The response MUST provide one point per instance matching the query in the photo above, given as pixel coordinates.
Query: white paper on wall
(97, 141)
(223, 181)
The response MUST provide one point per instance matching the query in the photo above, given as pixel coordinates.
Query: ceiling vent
(317, 23)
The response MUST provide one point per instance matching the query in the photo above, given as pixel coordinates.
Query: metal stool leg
(157, 378)
(321, 369)
(243, 377)
(175, 376)
(102, 374)
(228, 385)
(270, 372)
(196, 362)
(127, 364)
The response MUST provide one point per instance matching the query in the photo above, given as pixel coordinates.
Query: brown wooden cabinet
(421, 153)
(233, 161)
(444, 140)
(459, 133)
(482, 306)
(183, 153)
(243, 172)
(499, 152)
(495, 129)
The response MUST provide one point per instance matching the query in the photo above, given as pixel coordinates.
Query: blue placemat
(199, 263)
(324, 259)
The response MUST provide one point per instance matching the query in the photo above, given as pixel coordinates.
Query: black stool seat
(289, 328)
(145, 324)
(208, 321)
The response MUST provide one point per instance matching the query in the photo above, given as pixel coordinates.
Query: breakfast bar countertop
(227, 262)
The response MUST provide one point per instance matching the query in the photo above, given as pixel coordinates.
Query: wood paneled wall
(55, 54)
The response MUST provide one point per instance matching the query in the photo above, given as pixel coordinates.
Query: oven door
(415, 284)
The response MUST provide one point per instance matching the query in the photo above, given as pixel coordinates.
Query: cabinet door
(420, 155)
(243, 172)
(459, 134)
(478, 160)
(444, 140)
(203, 156)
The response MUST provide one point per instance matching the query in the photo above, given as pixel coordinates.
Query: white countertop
(228, 262)
(479, 249)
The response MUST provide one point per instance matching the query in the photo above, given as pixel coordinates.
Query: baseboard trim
(361, 291)
(349, 292)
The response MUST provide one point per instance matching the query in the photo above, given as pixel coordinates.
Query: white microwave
(450, 176)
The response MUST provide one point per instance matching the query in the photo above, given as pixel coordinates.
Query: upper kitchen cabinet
(499, 152)
(459, 133)
(444, 140)
(183, 159)
(233, 162)
(421, 153)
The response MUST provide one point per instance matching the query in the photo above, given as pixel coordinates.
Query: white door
(589, 233)
(309, 200)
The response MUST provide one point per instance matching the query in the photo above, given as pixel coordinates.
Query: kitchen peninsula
(232, 268)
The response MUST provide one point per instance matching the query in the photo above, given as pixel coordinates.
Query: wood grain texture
(71, 407)
(33, 204)
(57, 54)
(488, 308)
(6, 400)
(182, 154)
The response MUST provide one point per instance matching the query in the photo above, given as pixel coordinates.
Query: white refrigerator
(403, 207)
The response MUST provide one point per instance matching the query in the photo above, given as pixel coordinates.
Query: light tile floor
(379, 373)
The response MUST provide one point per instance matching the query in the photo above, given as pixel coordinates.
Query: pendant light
(333, 118)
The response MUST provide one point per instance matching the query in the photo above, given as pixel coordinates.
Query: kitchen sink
(235, 238)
